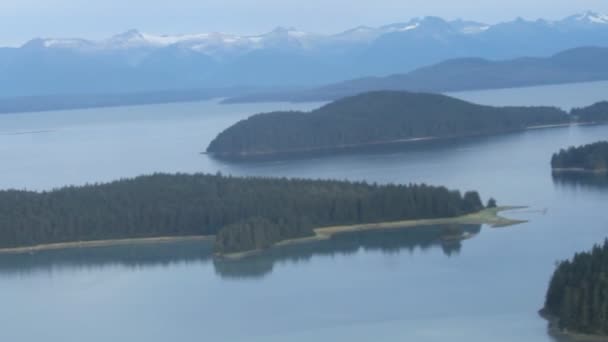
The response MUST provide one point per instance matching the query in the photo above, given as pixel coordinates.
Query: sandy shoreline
(486, 216)
(100, 243)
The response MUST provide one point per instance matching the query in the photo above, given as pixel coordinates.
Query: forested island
(591, 157)
(245, 213)
(577, 299)
(381, 118)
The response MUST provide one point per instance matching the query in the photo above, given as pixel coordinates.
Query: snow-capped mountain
(204, 42)
(589, 18)
(201, 42)
(134, 60)
(215, 42)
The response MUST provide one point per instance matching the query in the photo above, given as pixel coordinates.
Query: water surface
(398, 286)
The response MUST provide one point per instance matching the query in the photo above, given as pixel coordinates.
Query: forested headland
(591, 157)
(577, 299)
(245, 213)
(596, 113)
(383, 117)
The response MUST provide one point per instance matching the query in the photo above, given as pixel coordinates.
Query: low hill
(373, 119)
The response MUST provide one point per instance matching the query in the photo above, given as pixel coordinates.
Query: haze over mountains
(584, 64)
(137, 62)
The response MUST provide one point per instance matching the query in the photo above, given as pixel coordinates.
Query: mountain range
(286, 57)
(583, 64)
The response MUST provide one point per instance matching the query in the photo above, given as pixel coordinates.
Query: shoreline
(555, 331)
(245, 156)
(323, 149)
(486, 216)
(489, 217)
(579, 170)
(101, 243)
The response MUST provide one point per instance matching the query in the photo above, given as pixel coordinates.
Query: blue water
(399, 287)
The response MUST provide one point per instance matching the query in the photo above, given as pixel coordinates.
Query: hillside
(373, 119)
(576, 65)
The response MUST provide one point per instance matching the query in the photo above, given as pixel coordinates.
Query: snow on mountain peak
(287, 31)
(592, 17)
(217, 43)
(64, 43)
(410, 27)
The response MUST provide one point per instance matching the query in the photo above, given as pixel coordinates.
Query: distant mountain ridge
(139, 62)
(570, 66)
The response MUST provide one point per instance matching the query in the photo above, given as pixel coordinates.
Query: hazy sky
(24, 19)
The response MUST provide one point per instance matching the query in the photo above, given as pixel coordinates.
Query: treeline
(578, 293)
(375, 118)
(258, 233)
(182, 205)
(592, 157)
(596, 113)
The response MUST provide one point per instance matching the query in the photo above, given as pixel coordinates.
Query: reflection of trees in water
(200, 251)
(132, 256)
(448, 238)
(581, 180)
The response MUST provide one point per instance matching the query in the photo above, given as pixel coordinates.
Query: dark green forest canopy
(593, 157)
(199, 204)
(594, 113)
(375, 118)
(578, 293)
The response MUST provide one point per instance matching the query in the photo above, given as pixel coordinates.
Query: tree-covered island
(383, 118)
(591, 157)
(245, 213)
(577, 298)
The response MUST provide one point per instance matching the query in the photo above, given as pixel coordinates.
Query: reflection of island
(132, 256)
(581, 180)
(448, 238)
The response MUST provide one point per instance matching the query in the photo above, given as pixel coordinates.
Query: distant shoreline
(101, 243)
(487, 216)
(246, 156)
(322, 149)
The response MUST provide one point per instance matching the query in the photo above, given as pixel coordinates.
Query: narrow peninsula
(245, 214)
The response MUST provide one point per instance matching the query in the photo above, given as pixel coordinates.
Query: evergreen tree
(578, 292)
(587, 157)
(265, 210)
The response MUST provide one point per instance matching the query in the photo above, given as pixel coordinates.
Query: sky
(22, 20)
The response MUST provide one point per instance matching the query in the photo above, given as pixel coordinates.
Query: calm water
(397, 286)
(566, 96)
